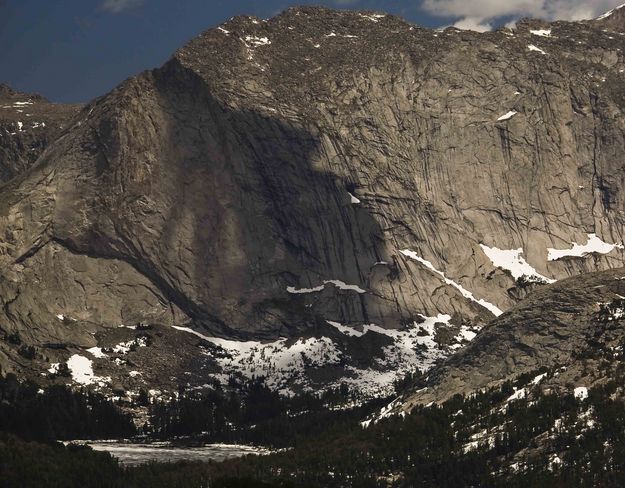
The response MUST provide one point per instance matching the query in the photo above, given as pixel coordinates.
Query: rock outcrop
(574, 326)
(28, 123)
(323, 166)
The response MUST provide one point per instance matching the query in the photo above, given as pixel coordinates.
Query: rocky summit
(28, 123)
(319, 198)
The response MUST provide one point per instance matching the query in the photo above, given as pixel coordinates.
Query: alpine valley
(406, 244)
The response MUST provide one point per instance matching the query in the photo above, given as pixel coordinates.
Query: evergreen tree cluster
(251, 413)
(58, 413)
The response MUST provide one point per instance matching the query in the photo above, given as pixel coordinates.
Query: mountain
(613, 19)
(574, 327)
(28, 123)
(323, 197)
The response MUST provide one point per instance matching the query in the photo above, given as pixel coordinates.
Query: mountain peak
(373, 182)
(613, 19)
(6, 91)
(609, 13)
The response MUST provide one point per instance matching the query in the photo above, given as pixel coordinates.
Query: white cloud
(480, 14)
(474, 24)
(117, 6)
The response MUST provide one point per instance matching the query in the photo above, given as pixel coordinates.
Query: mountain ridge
(323, 170)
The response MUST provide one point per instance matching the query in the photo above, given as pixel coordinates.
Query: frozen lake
(134, 454)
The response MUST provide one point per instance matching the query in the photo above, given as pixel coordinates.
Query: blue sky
(74, 50)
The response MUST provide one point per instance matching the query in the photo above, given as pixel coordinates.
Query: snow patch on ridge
(594, 246)
(277, 361)
(373, 17)
(511, 260)
(257, 41)
(413, 348)
(284, 362)
(345, 330)
(465, 293)
(610, 12)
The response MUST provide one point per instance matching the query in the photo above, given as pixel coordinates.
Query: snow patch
(465, 293)
(507, 116)
(257, 41)
(344, 286)
(511, 260)
(413, 348)
(353, 199)
(277, 361)
(96, 352)
(554, 462)
(581, 393)
(285, 362)
(292, 289)
(341, 285)
(610, 12)
(125, 347)
(345, 330)
(373, 17)
(594, 245)
(82, 371)
(541, 32)
(531, 47)
(62, 317)
(615, 312)
(479, 439)
(466, 334)
(517, 395)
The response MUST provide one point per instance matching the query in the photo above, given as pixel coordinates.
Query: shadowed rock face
(268, 177)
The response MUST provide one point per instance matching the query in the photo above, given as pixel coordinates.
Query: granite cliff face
(370, 191)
